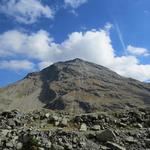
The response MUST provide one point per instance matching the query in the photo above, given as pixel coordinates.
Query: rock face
(74, 86)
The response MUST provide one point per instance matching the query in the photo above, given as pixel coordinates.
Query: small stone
(82, 144)
(11, 123)
(96, 127)
(130, 140)
(64, 122)
(46, 143)
(104, 147)
(68, 146)
(17, 122)
(5, 132)
(56, 123)
(139, 125)
(19, 146)
(83, 127)
(41, 148)
(57, 147)
(55, 118)
(147, 143)
(47, 115)
(9, 145)
(122, 124)
(26, 138)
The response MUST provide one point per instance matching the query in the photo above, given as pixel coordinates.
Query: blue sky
(37, 33)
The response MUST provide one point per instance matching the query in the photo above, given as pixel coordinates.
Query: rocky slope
(44, 130)
(74, 86)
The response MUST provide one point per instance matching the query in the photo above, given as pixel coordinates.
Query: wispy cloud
(75, 3)
(120, 37)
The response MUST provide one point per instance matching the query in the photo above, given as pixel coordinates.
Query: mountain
(74, 86)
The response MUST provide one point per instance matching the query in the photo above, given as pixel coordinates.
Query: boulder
(107, 135)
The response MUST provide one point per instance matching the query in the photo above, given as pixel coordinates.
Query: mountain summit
(74, 86)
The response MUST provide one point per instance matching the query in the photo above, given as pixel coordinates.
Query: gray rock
(83, 127)
(57, 147)
(96, 127)
(107, 135)
(147, 143)
(104, 147)
(130, 140)
(47, 115)
(55, 118)
(41, 148)
(19, 146)
(68, 146)
(17, 122)
(64, 122)
(115, 146)
(26, 138)
(11, 123)
(56, 123)
(9, 145)
(48, 144)
(4, 132)
(139, 125)
(122, 124)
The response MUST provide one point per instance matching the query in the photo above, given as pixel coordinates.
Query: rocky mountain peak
(75, 85)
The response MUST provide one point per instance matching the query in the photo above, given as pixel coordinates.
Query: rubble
(38, 130)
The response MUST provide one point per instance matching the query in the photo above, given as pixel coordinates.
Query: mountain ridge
(74, 86)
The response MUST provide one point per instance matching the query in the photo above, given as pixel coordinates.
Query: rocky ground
(46, 130)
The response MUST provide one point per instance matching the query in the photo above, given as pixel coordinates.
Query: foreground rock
(38, 131)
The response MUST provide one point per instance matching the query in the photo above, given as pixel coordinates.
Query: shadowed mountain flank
(75, 86)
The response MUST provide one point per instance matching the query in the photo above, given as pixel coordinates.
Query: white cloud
(138, 51)
(74, 3)
(37, 45)
(17, 65)
(26, 11)
(93, 45)
(44, 64)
